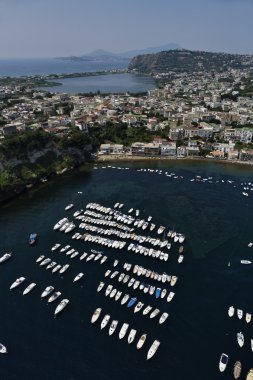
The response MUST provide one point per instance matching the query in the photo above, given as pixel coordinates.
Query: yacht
(115, 263)
(74, 254)
(108, 290)
(121, 276)
(60, 223)
(250, 375)
(141, 341)
(125, 299)
(158, 292)
(65, 248)
(54, 297)
(147, 310)
(113, 326)
(83, 256)
(33, 238)
(68, 207)
(55, 247)
(170, 296)
(138, 307)
(231, 311)
(96, 315)
(114, 274)
(132, 301)
(180, 259)
(163, 293)
(64, 268)
(251, 344)
(5, 257)
(130, 283)
(118, 295)
(47, 291)
(45, 262)
(40, 258)
(154, 313)
(61, 306)
(163, 318)
(78, 277)
(100, 286)
(240, 339)
(123, 330)
(51, 265)
(3, 349)
(29, 288)
(239, 313)
(223, 362)
(17, 282)
(237, 369)
(131, 336)
(104, 258)
(173, 280)
(153, 349)
(56, 268)
(248, 317)
(105, 321)
(246, 262)
(113, 292)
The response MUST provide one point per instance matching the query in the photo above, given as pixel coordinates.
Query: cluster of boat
(123, 332)
(237, 369)
(149, 273)
(239, 313)
(146, 288)
(72, 253)
(64, 225)
(50, 264)
(45, 293)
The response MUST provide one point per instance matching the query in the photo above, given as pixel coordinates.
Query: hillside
(188, 61)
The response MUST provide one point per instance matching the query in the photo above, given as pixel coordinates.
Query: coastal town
(198, 114)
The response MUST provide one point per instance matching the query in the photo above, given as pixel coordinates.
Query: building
(111, 149)
(168, 149)
(146, 149)
(246, 155)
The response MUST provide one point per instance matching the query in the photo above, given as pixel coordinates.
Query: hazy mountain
(150, 50)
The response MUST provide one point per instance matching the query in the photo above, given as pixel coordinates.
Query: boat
(113, 292)
(83, 256)
(45, 262)
(239, 313)
(180, 259)
(163, 318)
(173, 280)
(32, 238)
(123, 330)
(158, 292)
(113, 326)
(64, 268)
(138, 307)
(56, 268)
(100, 286)
(118, 295)
(47, 291)
(40, 258)
(3, 349)
(105, 321)
(68, 207)
(153, 349)
(115, 263)
(240, 339)
(61, 306)
(163, 293)
(54, 297)
(131, 336)
(246, 262)
(147, 310)
(223, 362)
(96, 315)
(132, 301)
(60, 224)
(231, 311)
(248, 317)
(78, 277)
(250, 374)
(141, 341)
(125, 299)
(29, 288)
(55, 247)
(51, 265)
(17, 282)
(108, 290)
(154, 313)
(170, 296)
(5, 257)
(237, 369)
(251, 344)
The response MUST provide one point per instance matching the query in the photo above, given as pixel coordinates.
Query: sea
(216, 219)
(114, 83)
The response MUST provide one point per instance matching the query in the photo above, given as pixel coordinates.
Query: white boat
(78, 277)
(114, 274)
(231, 311)
(17, 282)
(147, 310)
(141, 341)
(223, 362)
(64, 268)
(154, 313)
(29, 288)
(121, 276)
(47, 291)
(45, 262)
(118, 295)
(251, 344)
(153, 349)
(74, 254)
(108, 290)
(68, 207)
(173, 280)
(180, 259)
(113, 327)
(138, 307)
(163, 293)
(115, 263)
(55, 247)
(54, 297)
(246, 262)
(170, 296)
(5, 257)
(100, 286)
(61, 306)
(56, 268)
(40, 258)
(250, 374)
(123, 330)
(239, 313)
(240, 339)
(113, 292)
(125, 299)
(90, 257)
(3, 349)
(83, 256)
(105, 321)
(163, 318)
(60, 223)
(104, 258)
(51, 265)
(65, 248)
(131, 336)
(96, 315)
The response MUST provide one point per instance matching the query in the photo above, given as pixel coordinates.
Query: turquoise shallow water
(216, 219)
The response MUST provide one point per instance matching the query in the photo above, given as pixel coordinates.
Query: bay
(216, 220)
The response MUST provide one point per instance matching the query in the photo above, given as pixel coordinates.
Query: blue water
(114, 83)
(216, 219)
(44, 66)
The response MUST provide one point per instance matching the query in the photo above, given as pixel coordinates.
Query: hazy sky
(50, 28)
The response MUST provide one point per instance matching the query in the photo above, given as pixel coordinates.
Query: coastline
(129, 158)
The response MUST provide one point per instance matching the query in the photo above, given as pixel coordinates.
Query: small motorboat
(153, 349)
(231, 311)
(141, 341)
(237, 369)
(78, 277)
(29, 288)
(96, 315)
(33, 238)
(240, 339)
(248, 317)
(223, 362)
(3, 349)
(239, 313)
(131, 336)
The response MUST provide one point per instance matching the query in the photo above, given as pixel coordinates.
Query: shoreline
(129, 158)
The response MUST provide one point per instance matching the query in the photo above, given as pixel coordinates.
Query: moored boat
(231, 311)
(61, 306)
(105, 321)
(131, 336)
(3, 349)
(170, 296)
(100, 286)
(29, 288)
(240, 313)
(96, 315)
(17, 282)
(123, 330)
(125, 299)
(248, 317)
(141, 341)
(5, 257)
(113, 327)
(237, 369)
(64, 268)
(240, 339)
(78, 277)
(33, 238)
(47, 291)
(54, 297)
(223, 362)
(153, 349)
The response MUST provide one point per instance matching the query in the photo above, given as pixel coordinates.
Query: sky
(53, 28)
